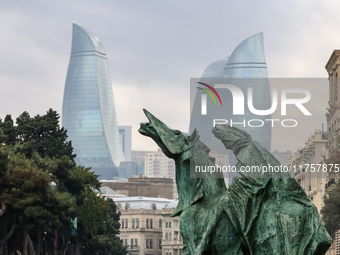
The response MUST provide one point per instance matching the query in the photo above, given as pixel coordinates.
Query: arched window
(137, 223)
(160, 223)
(151, 223)
(170, 236)
(133, 223)
(166, 236)
(126, 223)
(122, 223)
(147, 223)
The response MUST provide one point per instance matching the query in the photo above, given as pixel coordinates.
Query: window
(131, 243)
(147, 223)
(151, 243)
(133, 223)
(136, 242)
(166, 224)
(170, 224)
(166, 236)
(151, 223)
(122, 223)
(137, 223)
(125, 241)
(170, 236)
(147, 243)
(160, 223)
(160, 243)
(126, 223)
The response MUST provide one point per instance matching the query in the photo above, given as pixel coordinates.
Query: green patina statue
(255, 215)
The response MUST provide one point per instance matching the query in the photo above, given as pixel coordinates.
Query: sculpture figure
(255, 215)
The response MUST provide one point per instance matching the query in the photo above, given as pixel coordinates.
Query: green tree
(44, 134)
(9, 130)
(331, 211)
(35, 153)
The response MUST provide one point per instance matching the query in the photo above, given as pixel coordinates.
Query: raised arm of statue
(273, 215)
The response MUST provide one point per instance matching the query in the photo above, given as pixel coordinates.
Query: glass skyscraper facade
(88, 106)
(246, 67)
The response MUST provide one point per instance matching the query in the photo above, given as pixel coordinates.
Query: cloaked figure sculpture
(256, 215)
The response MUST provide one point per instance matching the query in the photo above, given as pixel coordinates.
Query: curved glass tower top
(246, 67)
(215, 69)
(88, 107)
(247, 60)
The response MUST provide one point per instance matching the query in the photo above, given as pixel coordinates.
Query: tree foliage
(36, 218)
(331, 211)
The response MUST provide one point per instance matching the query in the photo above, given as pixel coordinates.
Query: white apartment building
(141, 224)
(156, 164)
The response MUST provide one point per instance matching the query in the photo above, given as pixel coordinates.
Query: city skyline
(154, 54)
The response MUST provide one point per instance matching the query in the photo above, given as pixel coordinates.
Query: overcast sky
(154, 48)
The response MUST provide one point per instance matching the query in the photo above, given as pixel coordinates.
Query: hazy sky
(154, 48)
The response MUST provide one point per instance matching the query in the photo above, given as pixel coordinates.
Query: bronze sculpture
(256, 215)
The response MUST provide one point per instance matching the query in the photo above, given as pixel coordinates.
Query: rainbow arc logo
(209, 93)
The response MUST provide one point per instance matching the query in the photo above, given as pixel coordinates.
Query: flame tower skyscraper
(88, 107)
(246, 67)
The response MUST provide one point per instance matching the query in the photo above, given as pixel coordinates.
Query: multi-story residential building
(156, 164)
(314, 183)
(333, 123)
(138, 157)
(333, 111)
(172, 243)
(142, 223)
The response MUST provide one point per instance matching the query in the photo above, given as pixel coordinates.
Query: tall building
(88, 107)
(333, 123)
(156, 164)
(125, 133)
(314, 183)
(246, 67)
(333, 110)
